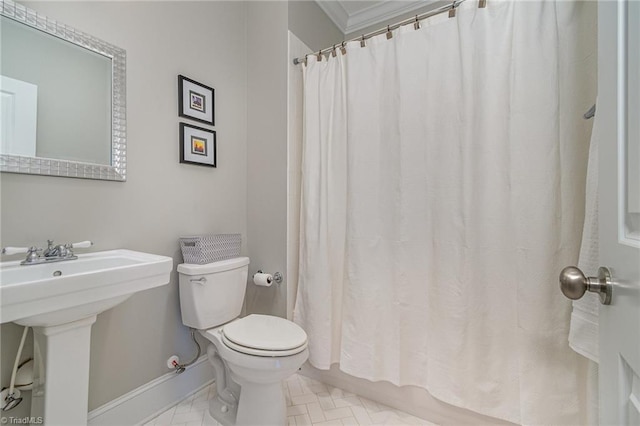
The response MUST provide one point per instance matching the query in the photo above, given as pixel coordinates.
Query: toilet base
(222, 412)
(262, 404)
(259, 405)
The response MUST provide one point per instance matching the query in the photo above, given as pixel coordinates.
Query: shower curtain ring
(452, 11)
(416, 25)
(319, 55)
(362, 43)
(333, 51)
(343, 49)
(389, 33)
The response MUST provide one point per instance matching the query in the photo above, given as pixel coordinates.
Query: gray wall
(268, 61)
(162, 199)
(240, 49)
(267, 151)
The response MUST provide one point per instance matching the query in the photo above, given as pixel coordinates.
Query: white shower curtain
(442, 192)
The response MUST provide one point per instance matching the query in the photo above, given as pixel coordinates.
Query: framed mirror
(63, 96)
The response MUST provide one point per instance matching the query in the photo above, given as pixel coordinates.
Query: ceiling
(354, 15)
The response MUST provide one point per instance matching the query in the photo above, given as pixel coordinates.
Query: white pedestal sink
(61, 301)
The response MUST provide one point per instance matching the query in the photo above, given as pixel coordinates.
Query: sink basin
(61, 292)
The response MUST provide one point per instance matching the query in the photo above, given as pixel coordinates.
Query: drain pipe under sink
(221, 383)
(11, 397)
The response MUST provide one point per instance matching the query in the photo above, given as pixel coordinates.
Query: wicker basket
(201, 249)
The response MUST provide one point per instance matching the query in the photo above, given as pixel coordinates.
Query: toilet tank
(212, 294)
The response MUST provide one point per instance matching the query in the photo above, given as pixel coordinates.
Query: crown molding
(381, 12)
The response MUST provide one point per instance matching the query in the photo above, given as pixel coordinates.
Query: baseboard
(151, 399)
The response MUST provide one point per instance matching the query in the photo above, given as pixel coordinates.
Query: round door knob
(574, 284)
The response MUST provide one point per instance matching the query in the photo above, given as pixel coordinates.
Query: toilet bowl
(251, 355)
(259, 373)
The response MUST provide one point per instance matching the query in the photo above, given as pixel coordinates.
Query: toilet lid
(265, 333)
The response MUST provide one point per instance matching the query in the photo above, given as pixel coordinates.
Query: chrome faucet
(53, 253)
(63, 251)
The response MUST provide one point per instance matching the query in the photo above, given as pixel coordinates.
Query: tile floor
(309, 402)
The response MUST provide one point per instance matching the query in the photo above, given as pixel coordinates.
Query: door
(18, 117)
(619, 217)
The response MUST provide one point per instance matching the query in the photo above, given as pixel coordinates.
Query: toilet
(251, 356)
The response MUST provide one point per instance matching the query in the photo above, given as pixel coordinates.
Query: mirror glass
(62, 95)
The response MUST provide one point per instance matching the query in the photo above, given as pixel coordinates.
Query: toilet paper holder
(277, 277)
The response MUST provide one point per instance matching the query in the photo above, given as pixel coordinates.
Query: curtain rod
(415, 20)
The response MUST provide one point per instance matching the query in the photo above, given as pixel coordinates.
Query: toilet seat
(264, 335)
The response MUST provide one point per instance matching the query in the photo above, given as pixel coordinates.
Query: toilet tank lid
(210, 268)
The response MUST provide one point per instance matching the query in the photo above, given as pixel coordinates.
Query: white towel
(583, 331)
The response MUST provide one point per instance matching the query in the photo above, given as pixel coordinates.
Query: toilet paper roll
(264, 280)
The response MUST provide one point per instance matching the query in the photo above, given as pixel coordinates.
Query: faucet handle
(33, 254)
(81, 244)
(16, 250)
(68, 248)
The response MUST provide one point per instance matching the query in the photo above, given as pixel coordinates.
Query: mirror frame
(56, 167)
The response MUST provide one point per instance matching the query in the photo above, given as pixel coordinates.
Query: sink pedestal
(60, 393)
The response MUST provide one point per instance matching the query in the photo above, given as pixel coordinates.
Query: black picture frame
(196, 101)
(197, 145)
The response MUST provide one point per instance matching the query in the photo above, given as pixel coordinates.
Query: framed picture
(197, 145)
(195, 100)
